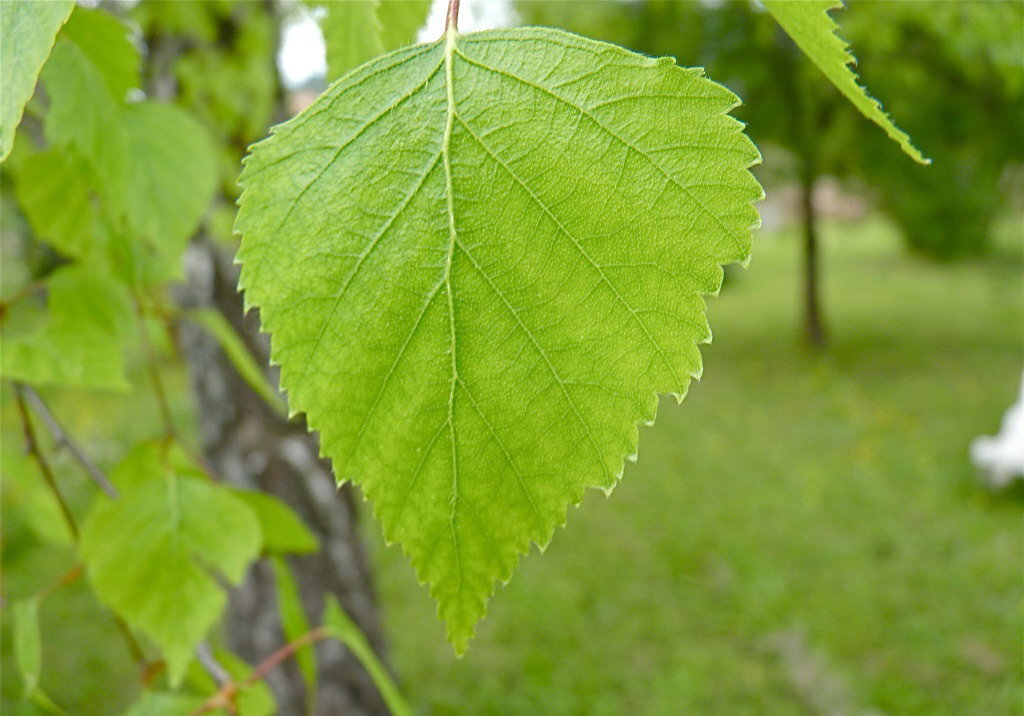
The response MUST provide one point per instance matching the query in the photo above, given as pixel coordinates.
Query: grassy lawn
(804, 533)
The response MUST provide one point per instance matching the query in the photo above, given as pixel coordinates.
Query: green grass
(805, 533)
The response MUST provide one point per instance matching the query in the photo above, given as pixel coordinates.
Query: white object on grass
(1001, 456)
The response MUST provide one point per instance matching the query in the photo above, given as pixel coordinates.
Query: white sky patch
(474, 15)
(303, 57)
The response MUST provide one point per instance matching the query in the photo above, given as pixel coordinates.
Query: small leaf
(155, 163)
(480, 260)
(355, 32)
(28, 643)
(149, 553)
(237, 352)
(104, 39)
(27, 32)
(84, 115)
(81, 339)
(293, 619)
(401, 20)
(53, 189)
(814, 32)
(352, 34)
(283, 531)
(171, 174)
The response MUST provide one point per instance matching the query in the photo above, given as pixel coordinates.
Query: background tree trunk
(814, 327)
(250, 446)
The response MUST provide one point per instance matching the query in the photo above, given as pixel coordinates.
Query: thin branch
(62, 440)
(283, 653)
(22, 394)
(154, 371)
(225, 696)
(32, 445)
(67, 578)
(212, 666)
(161, 394)
(138, 655)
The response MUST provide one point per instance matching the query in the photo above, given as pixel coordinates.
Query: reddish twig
(225, 696)
(67, 578)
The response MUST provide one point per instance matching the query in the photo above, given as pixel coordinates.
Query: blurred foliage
(951, 74)
(221, 57)
(955, 75)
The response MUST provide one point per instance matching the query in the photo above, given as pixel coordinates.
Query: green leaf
(27, 643)
(814, 32)
(355, 32)
(53, 189)
(342, 628)
(480, 261)
(155, 163)
(293, 619)
(27, 32)
(401, 20)
(237, 352)
(149, 553)
(104, 39)
(283, 531)
(162, 703)
(171, 174)
(84, 115)
(80, 340)
(352, 34)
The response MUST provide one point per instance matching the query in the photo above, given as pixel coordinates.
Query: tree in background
(954, 75)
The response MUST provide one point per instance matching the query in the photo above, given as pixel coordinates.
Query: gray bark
(250, 446)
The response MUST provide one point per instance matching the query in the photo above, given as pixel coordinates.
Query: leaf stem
(154, 371)
(451, 21)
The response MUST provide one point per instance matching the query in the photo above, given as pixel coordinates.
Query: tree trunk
(814, 327)
(250, 446)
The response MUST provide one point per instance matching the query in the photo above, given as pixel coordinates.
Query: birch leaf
(480, 260)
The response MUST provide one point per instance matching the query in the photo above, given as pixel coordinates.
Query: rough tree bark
(250, 446)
